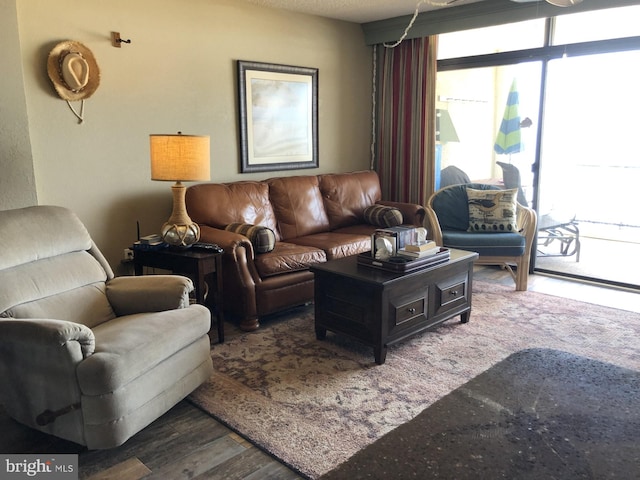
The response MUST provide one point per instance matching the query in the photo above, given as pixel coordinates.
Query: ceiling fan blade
(557, 3)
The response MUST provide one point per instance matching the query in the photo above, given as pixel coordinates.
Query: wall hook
(116, 41)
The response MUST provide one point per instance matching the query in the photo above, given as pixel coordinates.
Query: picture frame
(278, 116)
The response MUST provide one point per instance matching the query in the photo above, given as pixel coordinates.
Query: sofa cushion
(219, 204)
(286, 258)
(382, 216)
(336, 245)
(358, 229)
(298, 206)
(486, 244)
(492, 211)
(262, 238)
(346, 195)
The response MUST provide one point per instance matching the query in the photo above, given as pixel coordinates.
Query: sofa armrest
(150, 293)
(238, 252)
(411, 212)
(240, 274)
(226, 239)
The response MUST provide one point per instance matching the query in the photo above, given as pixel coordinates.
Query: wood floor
(183, 443)
(188, 443)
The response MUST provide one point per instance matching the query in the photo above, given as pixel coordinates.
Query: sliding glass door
(590, 167)
(572, 86)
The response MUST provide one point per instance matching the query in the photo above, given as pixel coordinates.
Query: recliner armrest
(38, 363)
(31, 335)
(150, 293)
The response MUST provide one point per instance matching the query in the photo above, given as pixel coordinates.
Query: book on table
(421, 247)
(405, 252)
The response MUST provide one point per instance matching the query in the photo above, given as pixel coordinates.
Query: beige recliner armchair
(85, 356)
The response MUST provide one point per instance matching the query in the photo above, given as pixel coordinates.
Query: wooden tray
(409, 266)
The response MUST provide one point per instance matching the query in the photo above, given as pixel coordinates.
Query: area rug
(314, 404)
(538, 414)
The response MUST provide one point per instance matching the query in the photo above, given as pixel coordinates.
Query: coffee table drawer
(409, 311)
(451, 293)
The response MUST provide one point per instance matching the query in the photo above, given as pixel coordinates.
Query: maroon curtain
(405, 116)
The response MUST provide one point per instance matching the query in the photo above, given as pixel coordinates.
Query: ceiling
(358, 11)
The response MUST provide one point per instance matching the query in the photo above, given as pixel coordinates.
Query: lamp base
(182, 236)
(180, 231)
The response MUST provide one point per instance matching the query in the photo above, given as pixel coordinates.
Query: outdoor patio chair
(554, 226)
(453, 175)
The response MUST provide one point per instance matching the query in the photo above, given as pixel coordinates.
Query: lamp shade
(180, 158)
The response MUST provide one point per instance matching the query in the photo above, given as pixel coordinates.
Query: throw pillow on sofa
(492, 211)
(383, 216)
(262, 238)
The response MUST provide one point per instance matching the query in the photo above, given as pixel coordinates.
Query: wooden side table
(195, 264)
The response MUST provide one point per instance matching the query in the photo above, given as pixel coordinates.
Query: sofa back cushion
(347, 195)
(298, 206)
(221, 204)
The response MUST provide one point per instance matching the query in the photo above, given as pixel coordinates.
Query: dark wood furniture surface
(380, 308)
(192, 263)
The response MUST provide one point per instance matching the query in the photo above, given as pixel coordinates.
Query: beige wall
(177, 74)
(17, 182)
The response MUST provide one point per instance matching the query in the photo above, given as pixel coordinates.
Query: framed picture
(278, 117)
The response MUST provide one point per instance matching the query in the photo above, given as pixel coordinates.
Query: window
(503, 38)
(578, 117)
(597, 25)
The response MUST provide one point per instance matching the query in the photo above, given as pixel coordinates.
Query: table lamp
(180, 158)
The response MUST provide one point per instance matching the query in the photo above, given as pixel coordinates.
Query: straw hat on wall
(74, 72)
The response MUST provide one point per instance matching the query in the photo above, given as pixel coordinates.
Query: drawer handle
(453, 292)
(411, 310)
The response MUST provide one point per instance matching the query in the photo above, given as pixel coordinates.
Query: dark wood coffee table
(380, 308)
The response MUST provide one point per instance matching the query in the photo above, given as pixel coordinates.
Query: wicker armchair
(447, 218)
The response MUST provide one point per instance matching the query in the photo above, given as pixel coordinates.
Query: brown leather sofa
(314, 218)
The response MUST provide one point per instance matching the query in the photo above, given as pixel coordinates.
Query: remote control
(211, 247)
